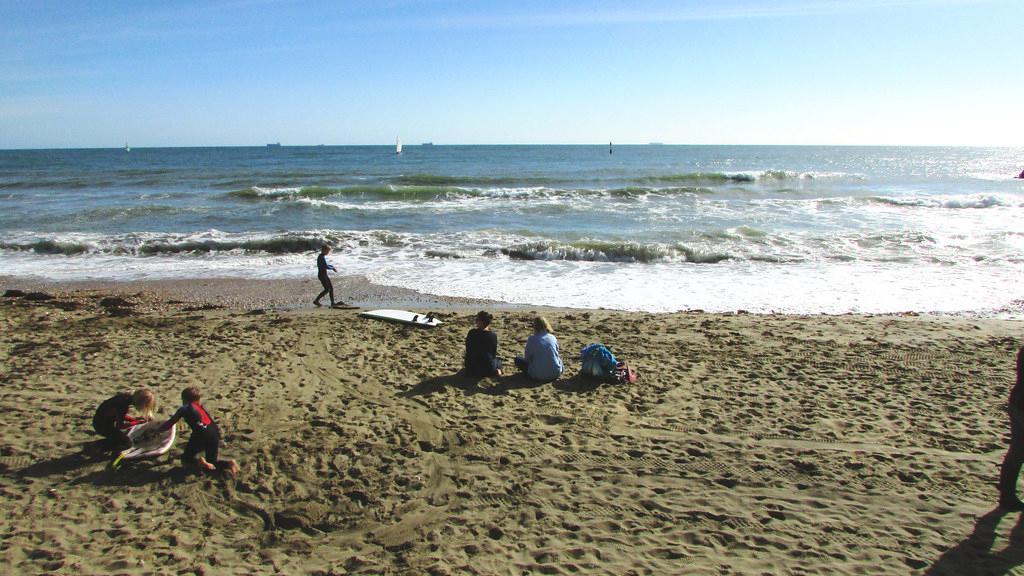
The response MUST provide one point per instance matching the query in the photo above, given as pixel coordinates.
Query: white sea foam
(410, 261)
(839, 288)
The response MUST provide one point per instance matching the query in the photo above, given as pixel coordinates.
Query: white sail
(398, 145)
(126, 148)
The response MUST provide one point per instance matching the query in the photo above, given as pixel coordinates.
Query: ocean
(647, 227)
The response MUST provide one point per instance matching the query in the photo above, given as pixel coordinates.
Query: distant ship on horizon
(274, 145)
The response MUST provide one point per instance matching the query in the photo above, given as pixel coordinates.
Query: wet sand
(750, 444)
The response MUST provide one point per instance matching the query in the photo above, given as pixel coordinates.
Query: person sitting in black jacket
(481, 359)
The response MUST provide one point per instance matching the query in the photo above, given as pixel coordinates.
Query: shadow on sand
(975, 557)
(498, 385)
(136, 473)
(90, 453)
(133, 473)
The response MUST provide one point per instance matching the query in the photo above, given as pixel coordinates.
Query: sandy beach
(751, 444)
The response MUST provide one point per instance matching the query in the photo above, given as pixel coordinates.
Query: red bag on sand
(624, 374)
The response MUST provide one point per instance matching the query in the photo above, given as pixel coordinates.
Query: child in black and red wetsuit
(112, 420)
(205, 434)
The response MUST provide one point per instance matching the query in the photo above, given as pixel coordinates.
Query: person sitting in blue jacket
(541, 360)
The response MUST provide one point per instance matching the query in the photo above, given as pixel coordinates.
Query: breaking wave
(598, 251)
(711, 178)
(66, 248)
(278, 245)
(738, 244)
(366, 191)
(169, 245)
(955, 203)
(433, 193)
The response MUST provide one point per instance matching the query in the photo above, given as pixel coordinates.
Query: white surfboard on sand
(147, 442)
(403, 316)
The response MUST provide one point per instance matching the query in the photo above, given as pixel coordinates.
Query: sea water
(645, 227)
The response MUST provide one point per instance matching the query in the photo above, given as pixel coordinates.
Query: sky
(249, 72)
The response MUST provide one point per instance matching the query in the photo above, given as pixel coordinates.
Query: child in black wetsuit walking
(321, 273)
(205, 435)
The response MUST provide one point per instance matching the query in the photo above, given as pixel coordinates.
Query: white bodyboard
(404, 317)
(154, 444)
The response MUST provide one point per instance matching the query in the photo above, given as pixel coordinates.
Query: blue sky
(915, 72)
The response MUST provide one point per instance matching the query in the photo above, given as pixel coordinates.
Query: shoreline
(294, 294)
(246, 294)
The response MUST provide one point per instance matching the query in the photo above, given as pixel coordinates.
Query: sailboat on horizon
(398, 145)
(126, 148)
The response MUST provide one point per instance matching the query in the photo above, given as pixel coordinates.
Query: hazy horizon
(408, 145)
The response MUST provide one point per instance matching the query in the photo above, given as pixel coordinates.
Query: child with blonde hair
(541, 360)
(112, 420)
